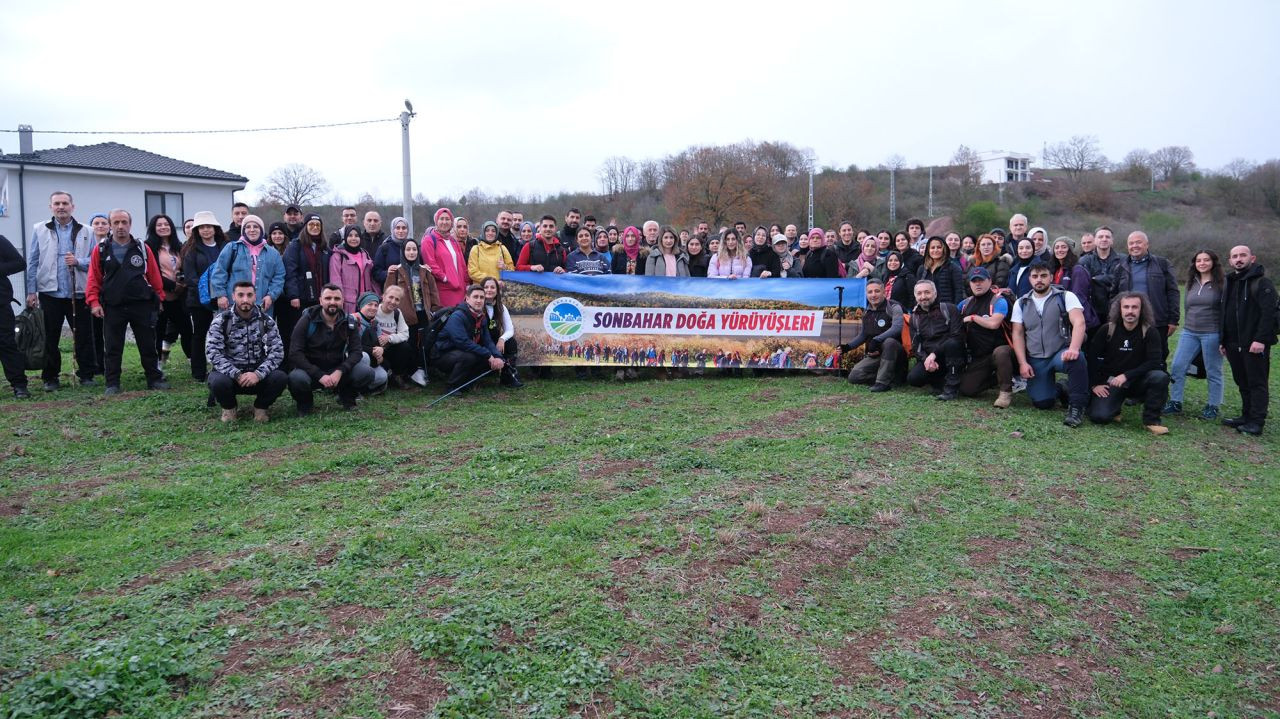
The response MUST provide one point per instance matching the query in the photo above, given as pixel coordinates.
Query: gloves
(873, 346)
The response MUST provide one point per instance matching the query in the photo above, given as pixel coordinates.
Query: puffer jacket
(237, 344)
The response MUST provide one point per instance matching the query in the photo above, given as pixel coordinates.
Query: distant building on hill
(1001, 166)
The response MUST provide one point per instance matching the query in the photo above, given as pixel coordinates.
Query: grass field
(788, 546)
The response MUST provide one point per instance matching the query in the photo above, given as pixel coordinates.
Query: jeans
(1041, 388)
(1189, 343)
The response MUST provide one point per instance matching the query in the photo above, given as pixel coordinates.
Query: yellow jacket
(483, 260)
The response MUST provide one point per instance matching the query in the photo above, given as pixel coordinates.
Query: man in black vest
(543, 253)
(125, 289)
(882, 335)
(1048, 332)
(990, 356)
(1248, 331)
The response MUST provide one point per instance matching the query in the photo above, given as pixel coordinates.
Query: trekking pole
(461, 387)
(840, 314)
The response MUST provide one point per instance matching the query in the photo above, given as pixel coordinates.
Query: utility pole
(810, 199)
(405, 117)
(929, 212)
(893, 200)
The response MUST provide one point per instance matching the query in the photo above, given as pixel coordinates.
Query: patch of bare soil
(988, 551)
(815, 552)
(200, 560)
(413, 686)
(786, 418)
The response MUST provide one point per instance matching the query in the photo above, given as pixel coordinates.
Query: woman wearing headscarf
(445, 257)
(1019, 276)
(865, 262)
(388, 253)
(351, 268)
(421, 298)
(630, 258)
(488, 257)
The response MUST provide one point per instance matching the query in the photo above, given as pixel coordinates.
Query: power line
(203, 132)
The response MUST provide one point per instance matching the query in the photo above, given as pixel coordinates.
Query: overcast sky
(530, 97)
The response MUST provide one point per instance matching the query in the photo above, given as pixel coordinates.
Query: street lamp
(405, 116)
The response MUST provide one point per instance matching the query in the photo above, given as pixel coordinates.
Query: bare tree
(1171, 161)
(1077, 155)
(969, 177)
(293, 184)
(1265, 178)
(617, 175)
(649, 177)
(1136, 166)
(715, 183)
(895, 162)
(1238, 169)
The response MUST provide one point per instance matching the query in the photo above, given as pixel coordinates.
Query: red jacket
(95, 274)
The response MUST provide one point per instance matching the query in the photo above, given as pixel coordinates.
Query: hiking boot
(112, 389)
(87, 382)
(1172, 407)
(1003, 400)
(946, 395)
(1251, 428)
(228, 415)
(1234, 422)
(260, 416)
(1074, 416)
(880, 387)
(1210, 412)
(53, 386)
(21, 392)
(158, 384)
(1157, 429)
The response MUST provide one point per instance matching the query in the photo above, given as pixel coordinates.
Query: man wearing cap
(57, 274)
(990, 358)
(937, 341)
(125, 289)
(245, 351)
(882, 334)
(372, 236)
(293, 221)
(325, 353)
(786, 261)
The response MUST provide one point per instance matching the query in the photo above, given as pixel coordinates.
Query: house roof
(119, 158)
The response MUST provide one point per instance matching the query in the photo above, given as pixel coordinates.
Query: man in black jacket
(1151, 275)
(1124, 361)
(882, 335)
(1248, 331)
(465, 348)
(325, 352)
(15, 364)
(507, 235)
(937, 341)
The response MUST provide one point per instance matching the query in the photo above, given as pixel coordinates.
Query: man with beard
(990, 356)
(1048, 332)
(1124, 361)
(882, 334)
(245, 350)
(325, 352)
(569, 233)
(544, 253)
(1248, 331)
(506, 235)
(937, 341)
(465, 348)
(348, 220)
(293, 221)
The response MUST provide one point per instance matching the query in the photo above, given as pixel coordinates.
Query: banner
(622, 321)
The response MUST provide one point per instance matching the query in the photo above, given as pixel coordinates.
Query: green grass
(706, 547)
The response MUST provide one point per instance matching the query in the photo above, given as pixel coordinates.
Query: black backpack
(29, 334)
(434, 327)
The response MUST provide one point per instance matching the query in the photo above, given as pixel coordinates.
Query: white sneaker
(419, 378)
(1019, 385)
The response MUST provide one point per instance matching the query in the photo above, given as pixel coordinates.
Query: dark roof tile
(121, 158)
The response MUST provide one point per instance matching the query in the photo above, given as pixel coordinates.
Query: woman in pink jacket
(351, 268)
(446, 258)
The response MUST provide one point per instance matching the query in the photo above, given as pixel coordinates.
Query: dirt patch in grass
(735, 611)
(19, 501)
(815, 552)
(346, 620)
(852, 659)
(771, 425)
(777, 522)
(413, 686)
(988, 551)
(200, 560)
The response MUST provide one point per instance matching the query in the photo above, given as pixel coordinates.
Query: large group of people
(260, 308)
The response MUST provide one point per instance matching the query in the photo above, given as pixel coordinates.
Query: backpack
(434, 327)
(202, 285)
(906, 327)
(1102, 289)
(29, 331)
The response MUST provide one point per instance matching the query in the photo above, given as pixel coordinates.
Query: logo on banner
(563, 319)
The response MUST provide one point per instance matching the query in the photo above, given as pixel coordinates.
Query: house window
(165, 203)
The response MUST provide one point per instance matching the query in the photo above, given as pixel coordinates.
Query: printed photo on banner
(627, 321)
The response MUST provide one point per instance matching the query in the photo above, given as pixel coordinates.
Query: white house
(102, 177)
(1001, 166)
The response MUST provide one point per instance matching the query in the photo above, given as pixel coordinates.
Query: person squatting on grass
(246, 354)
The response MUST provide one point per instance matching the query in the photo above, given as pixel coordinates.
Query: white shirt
(1073, 303)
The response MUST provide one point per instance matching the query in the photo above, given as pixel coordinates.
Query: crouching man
(325, 352)
(245, 350)
(1124, 361)
(465, 348)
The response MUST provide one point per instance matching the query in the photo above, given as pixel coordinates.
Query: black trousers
(951, 356)
(201, 318)
(266, 391)
(462, 367)
(1152, 388)
(399, 358)
(141, 318)
(15, 363)
(58, 311)
(1251, 373)
(286, 318)
(303, 388)
(173, 323)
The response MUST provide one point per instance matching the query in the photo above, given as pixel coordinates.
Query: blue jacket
(270, 272)
(464, 331)
(387, 254)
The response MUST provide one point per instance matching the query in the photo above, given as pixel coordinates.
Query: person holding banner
(544, 253)
(667, 260)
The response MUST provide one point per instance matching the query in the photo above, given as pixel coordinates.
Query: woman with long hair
(954, 249)
(502, 330)
(99, 232)
(199, 252)
(629, 258)
(1202, 313)
(731, 262)
(986, 254)
(172, 322)
(846, 246)
(351, 268)
(945, 274)
(696, 257)
(1019, 277)
(667, 260)
(305, 272)
(1071, 276)
(910, 258)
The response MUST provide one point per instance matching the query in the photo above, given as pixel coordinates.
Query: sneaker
(1234, 422)
(1019, 385)
(228, 415)
(1250, 428)
(112, 389)
(1172, 407)
(53, 386)
(1004, 399)
(1157, 429)
(1074, 416)
(350, 406)
(1210, 412)
(419, 378)
(260, 416)
(880, 387)
(158, 384)
(87, 382)
(946, 395)
(21, 392)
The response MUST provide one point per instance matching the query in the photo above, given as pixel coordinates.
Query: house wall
(95, 191)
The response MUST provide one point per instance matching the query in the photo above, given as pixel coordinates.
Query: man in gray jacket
(57, 275)
(245, 351)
